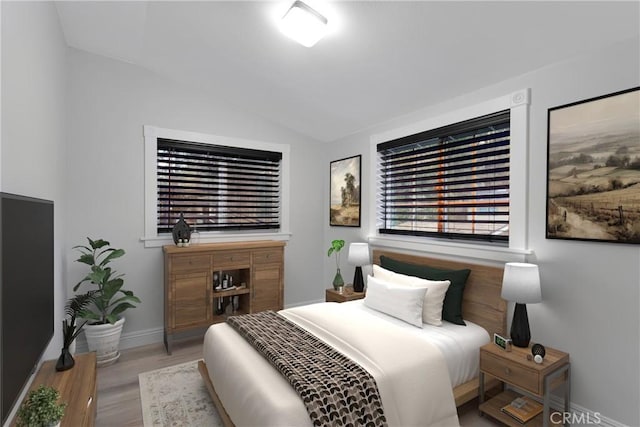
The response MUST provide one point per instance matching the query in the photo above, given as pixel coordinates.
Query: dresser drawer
(225, 260)
(511, 372)
(268, 257)
(180, 264)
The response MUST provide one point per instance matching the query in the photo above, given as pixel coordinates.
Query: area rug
(176, 396)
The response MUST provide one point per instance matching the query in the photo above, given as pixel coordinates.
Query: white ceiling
(380, 60)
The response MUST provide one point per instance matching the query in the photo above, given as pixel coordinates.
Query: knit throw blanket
(335, 390)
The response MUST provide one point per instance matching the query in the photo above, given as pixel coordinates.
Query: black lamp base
(358, 280)
(520, 332)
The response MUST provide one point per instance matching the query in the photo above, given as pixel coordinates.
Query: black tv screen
(26, 291)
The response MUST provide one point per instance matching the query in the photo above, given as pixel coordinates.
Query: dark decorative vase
(520, 332)
(338, 281)
(65, 361)
(358, 280)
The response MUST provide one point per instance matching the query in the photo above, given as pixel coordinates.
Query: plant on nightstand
(109, 300)
(41, 408)
(335, 247)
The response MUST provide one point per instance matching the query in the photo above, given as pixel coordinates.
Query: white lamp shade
(303, 24)
(521, 283)
(358, 254)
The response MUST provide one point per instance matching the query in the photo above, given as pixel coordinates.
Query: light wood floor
(118, 389)
(119, 393)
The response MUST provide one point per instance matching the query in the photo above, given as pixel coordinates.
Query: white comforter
(411, 374)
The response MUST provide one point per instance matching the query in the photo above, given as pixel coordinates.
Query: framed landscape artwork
(593, 169)
(344, 209)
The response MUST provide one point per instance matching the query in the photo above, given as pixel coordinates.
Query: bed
(248, 391)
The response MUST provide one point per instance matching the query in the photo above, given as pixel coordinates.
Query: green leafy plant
(336, 246)
(41, 408)
(109, 299)
(74, 309)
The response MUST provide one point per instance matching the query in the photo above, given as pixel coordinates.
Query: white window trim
(518, 104)
(151, 237)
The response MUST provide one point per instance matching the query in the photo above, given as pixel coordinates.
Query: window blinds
(448, 182)
(217, 187)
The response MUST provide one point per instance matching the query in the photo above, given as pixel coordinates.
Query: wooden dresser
(191, 274)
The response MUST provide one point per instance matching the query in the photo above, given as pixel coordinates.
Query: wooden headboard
(481, 302)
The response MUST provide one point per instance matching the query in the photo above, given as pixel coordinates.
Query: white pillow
(399, 301)
(433, 299)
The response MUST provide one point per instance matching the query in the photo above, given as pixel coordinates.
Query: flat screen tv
(26, 291)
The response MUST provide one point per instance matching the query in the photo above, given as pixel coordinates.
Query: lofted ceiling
(381, 59)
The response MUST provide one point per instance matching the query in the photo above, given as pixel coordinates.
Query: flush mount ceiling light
(303, 24)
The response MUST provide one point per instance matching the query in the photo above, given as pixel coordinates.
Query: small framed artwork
(344, 176)
(593, 169)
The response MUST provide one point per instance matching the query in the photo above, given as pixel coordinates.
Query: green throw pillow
(452, 306)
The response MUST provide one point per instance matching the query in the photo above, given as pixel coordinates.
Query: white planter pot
(105, 341)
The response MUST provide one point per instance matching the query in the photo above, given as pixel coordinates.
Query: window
(231, 189)
(217, 187)
(450, 182)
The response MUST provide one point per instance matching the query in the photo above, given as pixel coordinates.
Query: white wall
(590, 291)
(33, 91)
(33, 120)
(109, 102)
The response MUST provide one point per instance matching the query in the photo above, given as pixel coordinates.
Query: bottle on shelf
(219, 306)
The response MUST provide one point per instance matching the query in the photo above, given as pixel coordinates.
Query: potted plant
(109, 300)
(70, 330)
(41, 408)
(336, 246)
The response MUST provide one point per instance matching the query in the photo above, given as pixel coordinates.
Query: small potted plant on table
(41, 408)
(336, 246)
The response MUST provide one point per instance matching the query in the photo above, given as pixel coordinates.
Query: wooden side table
(77, 387)
(347, 294)
(515, 369)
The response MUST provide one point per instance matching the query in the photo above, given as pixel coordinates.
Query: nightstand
(538, 380)
(347, 294)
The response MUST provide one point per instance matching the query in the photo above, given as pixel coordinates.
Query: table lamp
(358, 256)
(521, 284)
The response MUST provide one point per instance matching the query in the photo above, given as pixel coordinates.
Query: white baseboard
(584, 416)
(581, 415)
(140, 338)
(129, 339)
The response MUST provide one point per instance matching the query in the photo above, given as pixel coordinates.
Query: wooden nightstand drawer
(511, 372)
